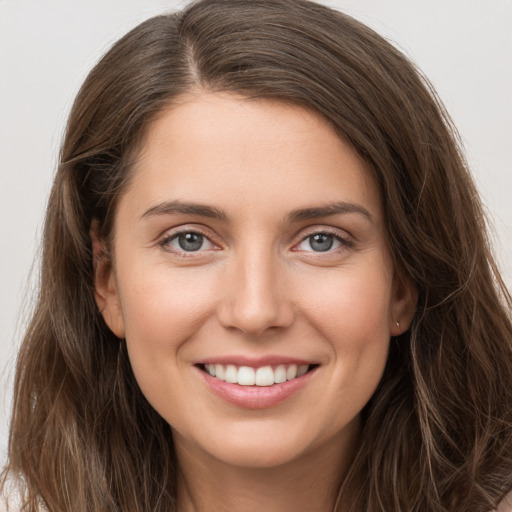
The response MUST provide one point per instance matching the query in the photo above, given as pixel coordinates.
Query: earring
(397, 324)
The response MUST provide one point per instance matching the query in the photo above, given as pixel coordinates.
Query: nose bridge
(255, 298)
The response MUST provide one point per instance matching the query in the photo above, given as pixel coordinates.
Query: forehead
(221, 147)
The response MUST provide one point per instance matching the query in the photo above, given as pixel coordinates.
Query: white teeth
(280, 374)
(263, 376)
(231, 374)
(246, 376)
(219, 371)
(291, 373)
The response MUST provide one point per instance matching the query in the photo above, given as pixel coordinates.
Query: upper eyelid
(322, 229)
(330, 230)
(193, 228)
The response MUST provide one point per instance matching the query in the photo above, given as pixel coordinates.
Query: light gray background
(48, 46)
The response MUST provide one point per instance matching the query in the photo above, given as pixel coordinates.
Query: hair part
(437, 433)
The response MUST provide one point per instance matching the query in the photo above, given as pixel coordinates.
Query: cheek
(163, 308)
(351, 313)
(351, 308)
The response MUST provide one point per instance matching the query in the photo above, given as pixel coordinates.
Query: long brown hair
(437, 434)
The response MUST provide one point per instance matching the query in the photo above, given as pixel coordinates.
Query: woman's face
(250, 248)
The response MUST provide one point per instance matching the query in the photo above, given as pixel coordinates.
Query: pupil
(190, 241)
(321, 242)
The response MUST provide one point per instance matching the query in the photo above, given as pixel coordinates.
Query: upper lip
(255, 362)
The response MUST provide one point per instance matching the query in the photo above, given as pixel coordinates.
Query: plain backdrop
(48, 46)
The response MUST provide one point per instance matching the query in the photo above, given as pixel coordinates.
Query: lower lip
(255, 397)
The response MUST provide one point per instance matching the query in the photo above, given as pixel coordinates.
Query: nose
(255, 299)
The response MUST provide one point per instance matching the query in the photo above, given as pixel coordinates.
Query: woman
(266, 283)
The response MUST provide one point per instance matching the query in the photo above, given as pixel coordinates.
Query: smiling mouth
(262, 376)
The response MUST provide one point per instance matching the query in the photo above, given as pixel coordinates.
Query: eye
(187, 241)
(322, 242)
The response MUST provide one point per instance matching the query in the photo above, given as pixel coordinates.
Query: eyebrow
(301, 214)
(173, 207)
(327, 211)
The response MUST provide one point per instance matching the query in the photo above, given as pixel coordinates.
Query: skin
(256, 287)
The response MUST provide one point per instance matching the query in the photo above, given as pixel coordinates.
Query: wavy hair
(437, 434)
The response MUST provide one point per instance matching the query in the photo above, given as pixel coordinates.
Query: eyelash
(345, 241)
(164, 243)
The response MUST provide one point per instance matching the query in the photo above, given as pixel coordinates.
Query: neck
(309, 483)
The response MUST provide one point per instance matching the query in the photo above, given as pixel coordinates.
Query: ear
(105, 287)
(403, 305)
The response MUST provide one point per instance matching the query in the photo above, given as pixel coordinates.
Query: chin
(260, 456)
(265, 444)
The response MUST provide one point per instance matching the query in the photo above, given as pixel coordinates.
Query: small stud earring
(398, 324)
